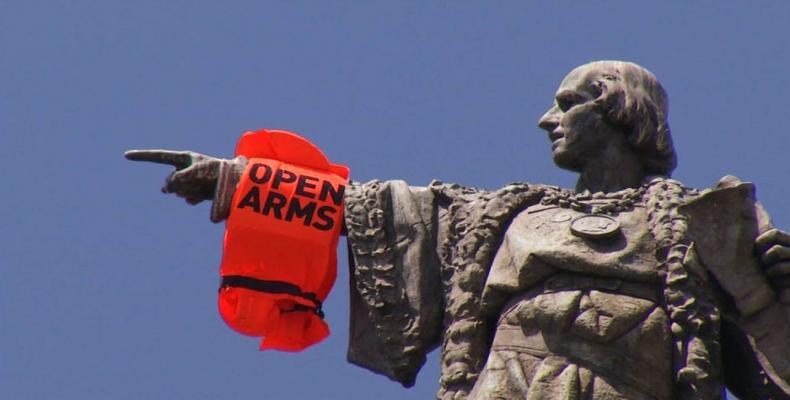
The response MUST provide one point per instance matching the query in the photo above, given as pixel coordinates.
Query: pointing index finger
(178, 159)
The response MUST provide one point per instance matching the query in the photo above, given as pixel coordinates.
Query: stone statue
(632, 286)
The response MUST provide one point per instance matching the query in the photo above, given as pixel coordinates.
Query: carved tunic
(523, 308)
(583, 320)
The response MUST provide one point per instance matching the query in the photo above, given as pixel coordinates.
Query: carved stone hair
(632, 98)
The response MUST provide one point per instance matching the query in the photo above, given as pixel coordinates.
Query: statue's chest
(544, 239)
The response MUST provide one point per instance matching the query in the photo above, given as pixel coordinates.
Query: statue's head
(605, 101)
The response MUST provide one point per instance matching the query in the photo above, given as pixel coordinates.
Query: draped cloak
(420, 259)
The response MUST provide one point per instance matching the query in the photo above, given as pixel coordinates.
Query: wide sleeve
(396, 295)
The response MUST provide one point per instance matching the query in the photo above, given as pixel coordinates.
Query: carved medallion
(595, 226)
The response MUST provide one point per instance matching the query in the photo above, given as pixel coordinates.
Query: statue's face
(576, 126)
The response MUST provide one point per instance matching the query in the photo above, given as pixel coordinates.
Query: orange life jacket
(279, 257)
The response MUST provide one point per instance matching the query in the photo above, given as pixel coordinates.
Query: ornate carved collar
(597, 223)
(594, 203)
(599, 208)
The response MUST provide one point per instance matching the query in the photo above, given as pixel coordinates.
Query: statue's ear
(613, 101)
(627, 108)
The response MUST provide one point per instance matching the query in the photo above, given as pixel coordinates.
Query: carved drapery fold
(396, 307)
(419, 262)
(475, 223)
(403, 240)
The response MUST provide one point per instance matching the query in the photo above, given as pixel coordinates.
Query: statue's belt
(615, 363)
(569, 281)
(603, 354)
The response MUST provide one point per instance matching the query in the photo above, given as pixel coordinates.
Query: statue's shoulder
(516, 193)
(721, 198)
(724, 221)
(730, 201)
(674, 193)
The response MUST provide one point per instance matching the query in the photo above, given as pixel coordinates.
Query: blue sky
(108, 288)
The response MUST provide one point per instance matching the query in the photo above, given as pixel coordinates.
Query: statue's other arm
(731, 233)
(773, 246)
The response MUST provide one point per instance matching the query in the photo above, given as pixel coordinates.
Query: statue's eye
(566, 100)
(564, 105)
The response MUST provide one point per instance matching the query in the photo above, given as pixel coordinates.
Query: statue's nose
(550, 120)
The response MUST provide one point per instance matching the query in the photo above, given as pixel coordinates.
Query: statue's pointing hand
(194, 178)
(774, 250)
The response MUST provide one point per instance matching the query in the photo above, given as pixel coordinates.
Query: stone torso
(539, 242)
(582, 315)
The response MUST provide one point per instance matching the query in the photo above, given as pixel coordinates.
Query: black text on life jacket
(300, 206)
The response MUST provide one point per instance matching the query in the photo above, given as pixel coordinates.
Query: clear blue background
(108, 288)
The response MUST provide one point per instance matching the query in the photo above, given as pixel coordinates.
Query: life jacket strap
(275, 287)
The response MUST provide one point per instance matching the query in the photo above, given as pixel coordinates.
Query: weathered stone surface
(632, 286)
(537, 308)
